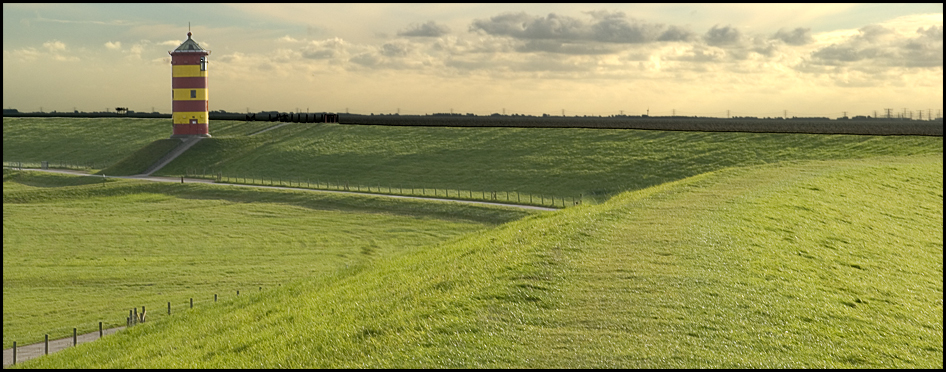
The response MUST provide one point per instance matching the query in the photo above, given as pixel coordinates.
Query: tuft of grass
(796, 264)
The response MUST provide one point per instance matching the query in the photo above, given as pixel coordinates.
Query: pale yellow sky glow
(585, 59)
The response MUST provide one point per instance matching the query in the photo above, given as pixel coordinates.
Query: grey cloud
(319, 54)
(723, 36)
(325, 49)
(702, 54)
(798, 36)
(395, 50)
(675, 33)
(876, 49)
(933, 32)
(606, 27)
(429, 29)
(366, 59)
(616, 30)
(551, 46)
(873, 33)
(925, 50)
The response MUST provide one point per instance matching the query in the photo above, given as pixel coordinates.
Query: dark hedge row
(882, 127)
(812, 126)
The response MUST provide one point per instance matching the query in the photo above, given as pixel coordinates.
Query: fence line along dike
(21, 353)
(560, 202)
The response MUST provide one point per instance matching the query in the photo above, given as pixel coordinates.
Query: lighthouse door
(193, 121)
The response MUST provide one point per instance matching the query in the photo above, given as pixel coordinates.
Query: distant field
(810, 264)
(77, 251)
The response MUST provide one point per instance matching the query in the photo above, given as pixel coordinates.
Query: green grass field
(77, 251)
(542, 162)
(92, 143)
(821, 264)
(692, 250)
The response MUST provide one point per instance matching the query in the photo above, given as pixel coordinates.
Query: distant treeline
(857, 125)
(258, 116)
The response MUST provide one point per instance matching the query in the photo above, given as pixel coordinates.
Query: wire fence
(336, 184)
(20, 165)
(113, 322)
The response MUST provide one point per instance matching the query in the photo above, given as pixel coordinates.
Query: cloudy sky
(585, 59)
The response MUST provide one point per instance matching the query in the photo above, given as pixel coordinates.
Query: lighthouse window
(193, 94)
(203, 63)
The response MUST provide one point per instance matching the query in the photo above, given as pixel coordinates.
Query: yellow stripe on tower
(187, 71)
(185, 94)
(186, 117)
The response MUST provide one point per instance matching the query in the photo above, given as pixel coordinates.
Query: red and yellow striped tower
(191, 108)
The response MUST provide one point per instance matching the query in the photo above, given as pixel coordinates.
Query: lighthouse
(190, 104)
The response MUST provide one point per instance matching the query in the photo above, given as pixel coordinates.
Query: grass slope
(541, 162)
(92, 142)
(796, 264)
(552, 162)
(139, 161)
(77, 251)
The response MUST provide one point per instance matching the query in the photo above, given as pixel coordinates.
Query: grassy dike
(538, 162)
(796, 264)
(565, 162)
(79, 250)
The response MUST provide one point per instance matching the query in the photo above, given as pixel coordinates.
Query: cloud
(429, 29)
(605, 27)
(798, 36)
(325, 49)
(55, 45)
(395, 49)
(113, 45)
(723, 36)
(875, 48)
(288, 39)
(552, 46)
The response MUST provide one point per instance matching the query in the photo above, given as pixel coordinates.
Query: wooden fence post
(46, 342)
(75, 339)
(192, 302)
(215, 297)
(169, 307)
(100, 329)
(14, 352)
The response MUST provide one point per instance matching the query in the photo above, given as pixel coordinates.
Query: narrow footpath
(27, 352)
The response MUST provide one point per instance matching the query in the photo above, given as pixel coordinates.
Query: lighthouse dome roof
(189, 45)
